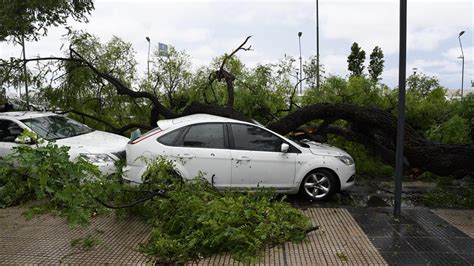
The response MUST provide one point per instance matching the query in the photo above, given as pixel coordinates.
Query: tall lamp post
(462, 57)
(301, 64)
(401, 109)
(148, 60)
(25, 73)
(317, 44)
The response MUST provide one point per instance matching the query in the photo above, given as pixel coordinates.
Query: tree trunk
(373, 123)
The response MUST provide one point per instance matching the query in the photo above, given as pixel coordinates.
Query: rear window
(169, 139)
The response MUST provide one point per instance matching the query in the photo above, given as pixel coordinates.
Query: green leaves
(198, 221)
(356, 60)
(45, 172)
(33, 17)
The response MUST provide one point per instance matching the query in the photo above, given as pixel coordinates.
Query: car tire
(318, 185)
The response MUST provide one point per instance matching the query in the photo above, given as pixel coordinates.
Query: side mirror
(285, 147)
(24, 140)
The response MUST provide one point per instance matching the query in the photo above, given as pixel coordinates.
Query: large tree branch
(197, 107)
(123, 89)
(229, 79)
(440, 159)
(113, 128)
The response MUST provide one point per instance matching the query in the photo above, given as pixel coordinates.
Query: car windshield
(56, 127)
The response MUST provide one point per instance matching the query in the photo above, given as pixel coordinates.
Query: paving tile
(461, 219)
(46, 239)
(339, 241)
(421, 237)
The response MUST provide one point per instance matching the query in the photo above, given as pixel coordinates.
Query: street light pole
(148, 60)
(401, 109)
(25, 75)
(301, 64)
(462, 57)
(317, 44)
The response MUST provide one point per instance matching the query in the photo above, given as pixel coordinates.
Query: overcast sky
(206, 29)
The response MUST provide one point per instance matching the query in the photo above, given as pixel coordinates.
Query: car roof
(193, 119)
(25, 114)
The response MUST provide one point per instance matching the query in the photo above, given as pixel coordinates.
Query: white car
(100, 148)
(237, 155)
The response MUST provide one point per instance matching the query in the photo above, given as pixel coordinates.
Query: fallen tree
(372, 127)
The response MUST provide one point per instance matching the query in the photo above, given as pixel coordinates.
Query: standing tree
(422, 83)
(376, 64)
(356, 60)
(30, 19)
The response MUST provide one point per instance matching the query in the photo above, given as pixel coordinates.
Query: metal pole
(25, 76)
(462, 57)
(148, 60)
(401, 108)
(317, 44)
(301, 65)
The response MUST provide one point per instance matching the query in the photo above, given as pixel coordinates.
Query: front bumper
(347, 176)
(133, 174)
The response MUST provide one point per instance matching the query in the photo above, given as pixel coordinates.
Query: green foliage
(81, 90)
(376, 64)
(454, 131)
(448, 195)
(354, 90)
(45, 172)
(356, 60)
(367, 164)
(310, 69)
(198, 221)
(422, 83)
(170, 75)
(33, 17)
(425, 111)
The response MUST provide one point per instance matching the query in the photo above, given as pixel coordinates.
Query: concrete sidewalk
(352, 236)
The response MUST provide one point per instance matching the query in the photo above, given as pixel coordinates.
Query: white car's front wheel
(319, 184)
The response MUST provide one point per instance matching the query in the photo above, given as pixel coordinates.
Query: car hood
(325, 149)
(94, 142)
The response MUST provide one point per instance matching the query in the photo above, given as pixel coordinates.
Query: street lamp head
(147, 38)
(461, 33)
(299, 34)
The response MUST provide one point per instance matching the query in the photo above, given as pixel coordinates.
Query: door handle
(244, 158)
(185, 156)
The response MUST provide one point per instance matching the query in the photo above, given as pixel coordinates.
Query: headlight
(97, 158)
(345, 159)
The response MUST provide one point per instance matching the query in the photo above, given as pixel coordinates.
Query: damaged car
(100, 148)
(238, 155)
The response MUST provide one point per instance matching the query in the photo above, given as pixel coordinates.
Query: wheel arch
(338, 181)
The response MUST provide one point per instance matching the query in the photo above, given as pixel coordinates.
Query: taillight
(145, 136)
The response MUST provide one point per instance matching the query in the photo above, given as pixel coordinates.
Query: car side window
(247, 137)
(205, 136)
(169, 139)
(9, 131)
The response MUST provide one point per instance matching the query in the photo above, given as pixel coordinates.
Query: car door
(9, 131)
(257, 159)
(203, 149)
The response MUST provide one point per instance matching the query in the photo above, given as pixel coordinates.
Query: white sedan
(237, 155)
(98, 147)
